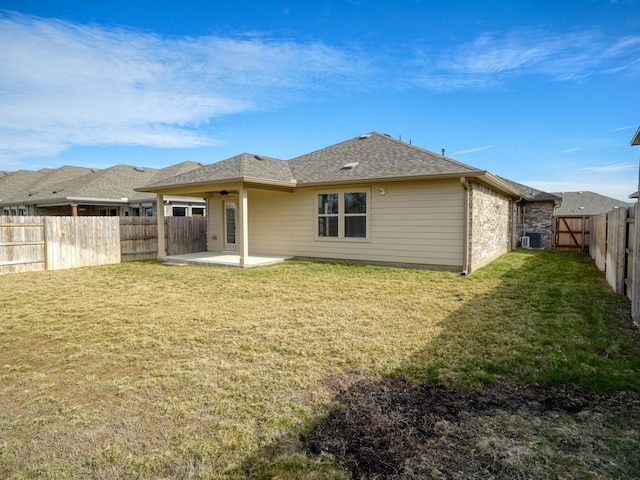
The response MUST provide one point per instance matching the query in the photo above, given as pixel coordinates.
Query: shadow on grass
(530, 379)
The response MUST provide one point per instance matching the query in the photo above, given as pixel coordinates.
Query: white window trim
(341, 215)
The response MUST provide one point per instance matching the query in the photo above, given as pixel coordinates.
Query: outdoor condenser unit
(535, 239)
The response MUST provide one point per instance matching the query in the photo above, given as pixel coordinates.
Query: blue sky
(541, 92)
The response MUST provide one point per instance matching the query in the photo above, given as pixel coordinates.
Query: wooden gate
(573, 233)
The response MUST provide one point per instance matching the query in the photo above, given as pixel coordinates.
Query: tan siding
(215, 226)
(418, 222)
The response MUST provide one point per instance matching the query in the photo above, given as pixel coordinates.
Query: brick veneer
(489, 225)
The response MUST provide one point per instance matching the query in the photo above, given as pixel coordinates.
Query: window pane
(327, 226)
(328, 203)
(230, 218)
(355, 202)
(355, 226)
(179, 211)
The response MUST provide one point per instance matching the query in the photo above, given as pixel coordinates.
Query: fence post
(615, 251)
(635, 276)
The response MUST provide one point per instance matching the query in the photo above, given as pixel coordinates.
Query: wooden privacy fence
(573, 233)
(22, 245)
(615, 247)
(30, 244)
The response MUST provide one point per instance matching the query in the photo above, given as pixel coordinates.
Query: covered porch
(225, 187)
(222, 259)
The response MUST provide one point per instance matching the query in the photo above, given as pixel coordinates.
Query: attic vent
(138, 169)
(93, 170)
(202, 164)
(362, 137)
(349, 166)
(31, 194)
(257, 157)
(58, 190)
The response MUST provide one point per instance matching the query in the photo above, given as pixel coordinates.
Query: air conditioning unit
(535, 239)
(525, 242)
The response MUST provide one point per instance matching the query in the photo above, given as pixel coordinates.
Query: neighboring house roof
(25, 184)
(636, 138)
(532, 194)
(12, 183)
(369, 157)
(587, 203)
(77, 184)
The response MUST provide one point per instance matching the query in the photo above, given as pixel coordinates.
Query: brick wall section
(51, 211)
(538, 217)
(489, 225)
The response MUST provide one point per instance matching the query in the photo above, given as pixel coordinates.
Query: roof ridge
(424, 150)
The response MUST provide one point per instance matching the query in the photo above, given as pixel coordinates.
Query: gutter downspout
(465, 245)
(514, 223)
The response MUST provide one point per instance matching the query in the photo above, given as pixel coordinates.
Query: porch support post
(162, 247)
(243, 214)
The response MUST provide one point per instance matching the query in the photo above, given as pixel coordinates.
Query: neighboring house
(535, 213)
(371, 199)
(586, 204)
(79, 191)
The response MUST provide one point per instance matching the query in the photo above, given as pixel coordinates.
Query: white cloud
(492, 58)
(628, 127)
(609, 168)
(64, 84)
(616, 180)
(572, 150)
(473, 150)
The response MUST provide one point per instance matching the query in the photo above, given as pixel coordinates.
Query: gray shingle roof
(587, 203)
(373, 155)
(83, 183)
(24, 186)
(14, 183)
(532, 194)
(377, 156)
(245, 165)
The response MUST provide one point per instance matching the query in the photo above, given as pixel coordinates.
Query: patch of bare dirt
(387, 428)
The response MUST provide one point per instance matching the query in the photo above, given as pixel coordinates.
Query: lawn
(529, 368)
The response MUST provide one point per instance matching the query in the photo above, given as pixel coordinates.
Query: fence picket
(57, 242)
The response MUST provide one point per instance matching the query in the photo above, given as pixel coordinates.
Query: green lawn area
(141, 370)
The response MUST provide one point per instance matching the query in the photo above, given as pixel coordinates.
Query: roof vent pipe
(443, 150)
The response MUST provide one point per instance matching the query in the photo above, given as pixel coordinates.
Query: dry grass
(146, 371)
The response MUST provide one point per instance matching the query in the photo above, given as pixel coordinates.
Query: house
(85, 191)
(370, 199)
(535, 216)
(586, 204)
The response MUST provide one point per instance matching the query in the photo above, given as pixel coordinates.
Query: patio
(221, 259)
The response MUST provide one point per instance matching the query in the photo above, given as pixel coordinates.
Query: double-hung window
(328, 214)
(343, 214)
